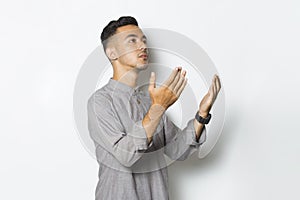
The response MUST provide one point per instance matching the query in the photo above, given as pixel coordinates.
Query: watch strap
(201, 119)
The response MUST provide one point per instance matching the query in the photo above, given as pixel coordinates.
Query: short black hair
(111, 28)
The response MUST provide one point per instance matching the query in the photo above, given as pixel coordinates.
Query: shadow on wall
(212, 161)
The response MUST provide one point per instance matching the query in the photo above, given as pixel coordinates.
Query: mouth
(143, 55)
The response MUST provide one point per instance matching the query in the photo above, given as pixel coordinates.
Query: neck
(126, 75)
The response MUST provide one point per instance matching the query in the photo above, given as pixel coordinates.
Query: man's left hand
(209, 99)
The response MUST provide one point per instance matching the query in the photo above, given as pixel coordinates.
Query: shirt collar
(117, 85)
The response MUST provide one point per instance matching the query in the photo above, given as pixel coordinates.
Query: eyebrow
(134, 35)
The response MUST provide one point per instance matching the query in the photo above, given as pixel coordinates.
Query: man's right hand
(171, 89)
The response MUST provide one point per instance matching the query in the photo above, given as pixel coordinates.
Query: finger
(152, 84)
(171, 77)
(212, 89)
(218, 84)
(181, 87)
(180, 82)
(176, 79)
(214, 86)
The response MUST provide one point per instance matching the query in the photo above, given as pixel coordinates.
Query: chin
(142, 66)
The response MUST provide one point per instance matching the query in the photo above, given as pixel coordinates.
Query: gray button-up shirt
(130, 167)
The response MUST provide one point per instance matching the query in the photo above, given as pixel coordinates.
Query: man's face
(129, 44)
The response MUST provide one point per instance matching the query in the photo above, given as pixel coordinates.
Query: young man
(129, 127)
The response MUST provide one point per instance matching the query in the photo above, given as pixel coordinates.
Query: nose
(143, 46)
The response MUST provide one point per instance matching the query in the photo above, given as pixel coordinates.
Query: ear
(111, 53)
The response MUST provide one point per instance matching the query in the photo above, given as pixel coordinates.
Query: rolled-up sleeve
(106, 130)
(180, 144)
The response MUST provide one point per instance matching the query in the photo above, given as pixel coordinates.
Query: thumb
(152, 84)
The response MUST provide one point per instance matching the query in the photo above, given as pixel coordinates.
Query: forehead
(124, 31)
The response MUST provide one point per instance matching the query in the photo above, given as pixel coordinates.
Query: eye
(145, 41)
(133, 40)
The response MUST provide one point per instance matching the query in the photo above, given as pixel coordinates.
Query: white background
(254, 45)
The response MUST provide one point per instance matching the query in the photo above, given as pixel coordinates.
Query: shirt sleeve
(106, 130)
(180, 144)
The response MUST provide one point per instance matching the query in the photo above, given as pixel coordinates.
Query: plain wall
(254, 45)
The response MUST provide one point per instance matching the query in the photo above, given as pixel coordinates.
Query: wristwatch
(201, 119)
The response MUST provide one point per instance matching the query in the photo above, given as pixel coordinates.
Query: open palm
(209, 99)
